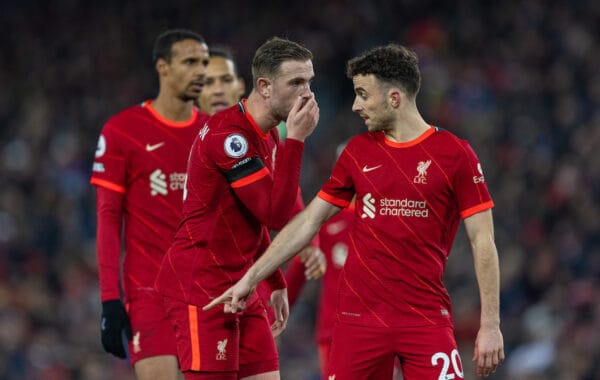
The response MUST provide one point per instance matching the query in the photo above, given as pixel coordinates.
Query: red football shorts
(212, 341)
(152, 331)
(360, 352)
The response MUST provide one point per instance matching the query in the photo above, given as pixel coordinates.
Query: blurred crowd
(519, 80)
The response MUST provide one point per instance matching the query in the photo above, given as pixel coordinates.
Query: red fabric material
(408, 202)
(223, 228)
(108, 242)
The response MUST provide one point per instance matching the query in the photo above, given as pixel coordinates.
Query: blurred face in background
(222, 86)
(183, 75)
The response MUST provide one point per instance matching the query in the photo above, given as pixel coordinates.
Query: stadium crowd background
(520, 80)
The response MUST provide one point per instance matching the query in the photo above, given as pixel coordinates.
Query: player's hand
(314, 262)
(113, 322)
(489, 350)
(233, 298)
(281, 307)
(302, 118)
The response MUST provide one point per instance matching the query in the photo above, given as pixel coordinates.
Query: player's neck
(257, 107)
(173, 108)
(407, 127)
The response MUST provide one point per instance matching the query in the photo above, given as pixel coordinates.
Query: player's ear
(264, 86)
(394, 96)
(161, 66)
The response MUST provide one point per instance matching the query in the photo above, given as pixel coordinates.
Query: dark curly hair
(393, 63)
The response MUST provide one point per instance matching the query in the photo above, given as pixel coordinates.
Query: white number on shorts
(456, 365)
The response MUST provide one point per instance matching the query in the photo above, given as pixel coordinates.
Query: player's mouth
(197, 85)
(219, 106)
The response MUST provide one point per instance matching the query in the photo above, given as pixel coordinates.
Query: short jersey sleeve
(236, 155)
(339, 188)
(469, 185)
(109, 169)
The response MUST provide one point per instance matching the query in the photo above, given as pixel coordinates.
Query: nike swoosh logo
(366, 169)
(150, 148)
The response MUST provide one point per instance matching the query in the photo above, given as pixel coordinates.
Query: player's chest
(394, 174)
(160, 159)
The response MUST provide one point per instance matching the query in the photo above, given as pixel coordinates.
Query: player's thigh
(429, 353)
(153, 333)
(359, 352)
(162, 367)
(207, 341)
(258, 353)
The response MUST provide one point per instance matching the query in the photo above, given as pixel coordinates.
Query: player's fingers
(220, 299)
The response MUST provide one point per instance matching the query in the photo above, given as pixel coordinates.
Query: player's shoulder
(230, 120)
(362, 139)
(127, 116)
(447, 139)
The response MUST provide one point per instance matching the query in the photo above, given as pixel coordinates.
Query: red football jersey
(241, 183)
(143, 156)
(334, 239)
(409, 200)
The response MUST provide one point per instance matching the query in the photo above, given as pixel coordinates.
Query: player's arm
(489, 346)
(267, 195)
(109, 205)
(293, 237)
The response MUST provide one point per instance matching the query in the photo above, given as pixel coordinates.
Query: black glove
(114, 320)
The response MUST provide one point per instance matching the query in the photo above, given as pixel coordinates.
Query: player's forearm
(488, 279)
(285, 185)
(290, 240)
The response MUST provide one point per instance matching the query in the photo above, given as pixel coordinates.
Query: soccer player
(413, 183)
(241, 183)
(139, 174)
(223, 88)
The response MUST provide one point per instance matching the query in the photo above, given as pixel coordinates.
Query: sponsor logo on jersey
(160, 185)
(153, 147)
(421, 177)
(367, 169)
(393, 207)
(98, 167)
(339, 254)
(177, 181)
(479, 178)
(368, 206)
(203, 132)
(235, 145)
(222, 351)
(136, 343)
(101, 147)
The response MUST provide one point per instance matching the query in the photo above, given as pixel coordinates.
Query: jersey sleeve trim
(333, 200)
(475, 209)
(108, 185)
(250, 179)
